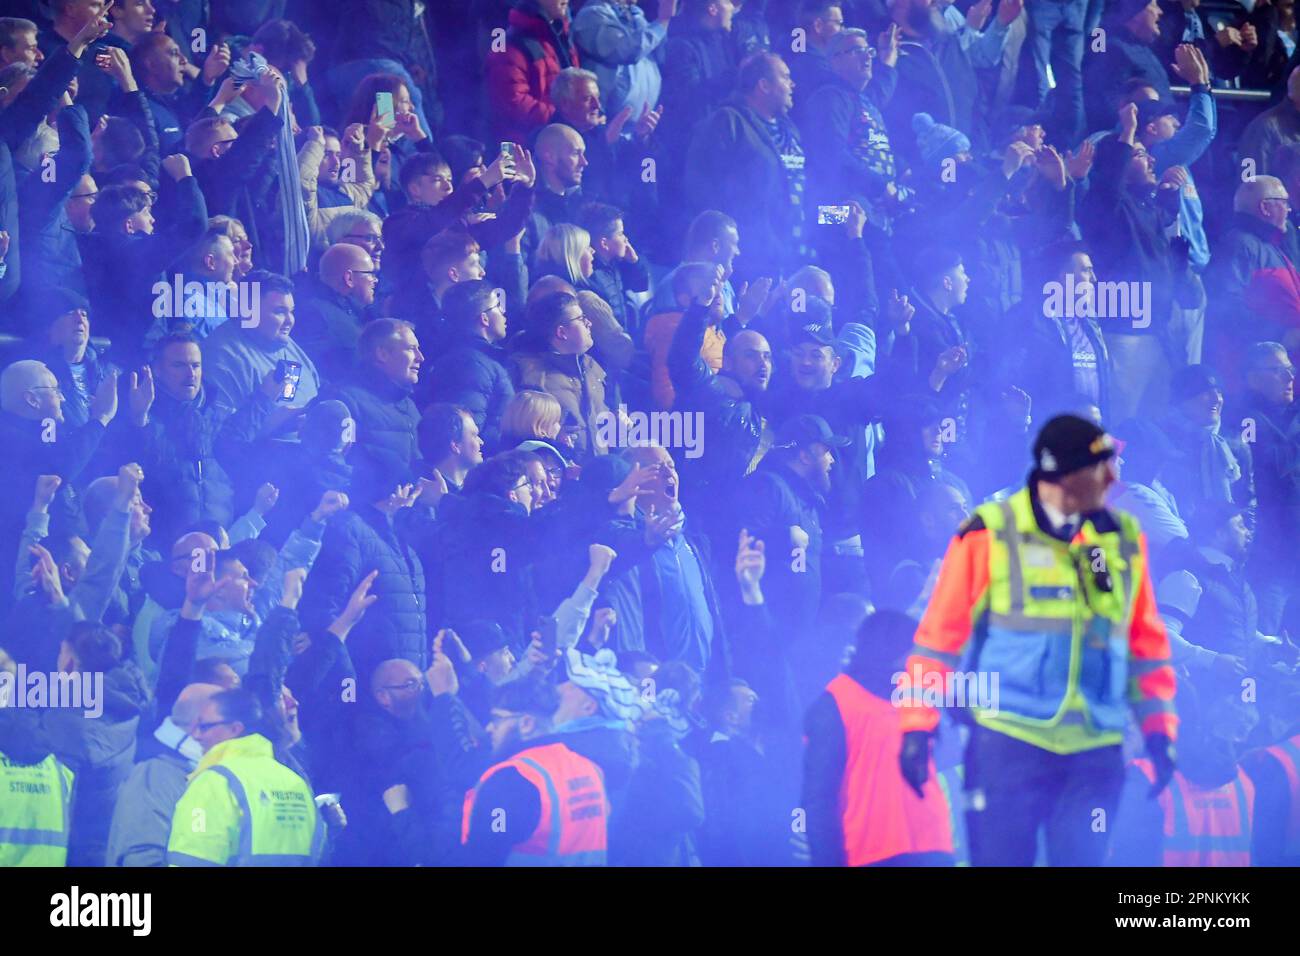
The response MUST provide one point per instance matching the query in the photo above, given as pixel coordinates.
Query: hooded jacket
(100, 750)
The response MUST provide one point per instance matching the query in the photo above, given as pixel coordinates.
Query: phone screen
(832, 215)
(384, 107)
(289, 373)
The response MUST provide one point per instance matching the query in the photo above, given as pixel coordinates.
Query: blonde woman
(531, 415)
(565, 251)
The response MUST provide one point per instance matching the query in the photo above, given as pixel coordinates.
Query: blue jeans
(1060, 21)
(344, 78)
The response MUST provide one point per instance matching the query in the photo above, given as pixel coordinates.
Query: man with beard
(783, 504)
(543, 788)
(935, 73)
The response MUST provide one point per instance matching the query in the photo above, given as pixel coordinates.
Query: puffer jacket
(470, 374)
(357, 542)
(577, 382)
(519, 78)
(101, 751)
(386, 417)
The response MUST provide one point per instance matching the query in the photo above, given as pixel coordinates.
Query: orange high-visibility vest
(882, 816)
(1205, 827)
(1287, 754)
(571, 830)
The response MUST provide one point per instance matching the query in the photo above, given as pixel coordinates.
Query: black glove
(1161, 751)
(914, 761)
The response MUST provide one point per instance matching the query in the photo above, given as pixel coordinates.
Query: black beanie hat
(1068, 443)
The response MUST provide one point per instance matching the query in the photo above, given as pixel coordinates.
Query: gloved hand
(914, 760)
(1161, 751)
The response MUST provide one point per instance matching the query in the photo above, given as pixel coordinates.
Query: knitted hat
(936, 141)
(56, 303)
(1125, 10)
(1067, 444)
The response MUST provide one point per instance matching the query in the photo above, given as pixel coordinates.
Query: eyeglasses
(1287, 371)
(90, 196)
(364, 272)
(203, 728)
(1284, 200)
(522, 485)
(372, 240)
(47, 388)
(415, 683)
(865, 51)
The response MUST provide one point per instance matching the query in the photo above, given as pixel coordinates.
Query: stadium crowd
(399, 390)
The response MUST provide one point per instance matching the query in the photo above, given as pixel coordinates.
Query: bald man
(142, 819)
(561, 156)
(333, 307)
(38, 441)
(182, 555)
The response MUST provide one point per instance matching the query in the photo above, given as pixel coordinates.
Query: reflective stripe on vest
(36, 812)
(881, 816)
(247, 827)
(1049, 630)
(1287, 753)
(953, 784)
(1205, 827)
(571, 828)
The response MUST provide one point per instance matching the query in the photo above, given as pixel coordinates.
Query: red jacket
(519, 77)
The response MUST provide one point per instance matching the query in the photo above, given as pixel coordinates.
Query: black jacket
(387, 420)
(732, 420)
(471, 373)
(481, 564)
(121, 270)
(357, 542)
(735, 166)
(182, 449)
(327, 326)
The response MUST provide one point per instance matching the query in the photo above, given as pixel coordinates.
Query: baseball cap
(814, 332)
(481, 638)
(1068, 443)
(804, 430)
